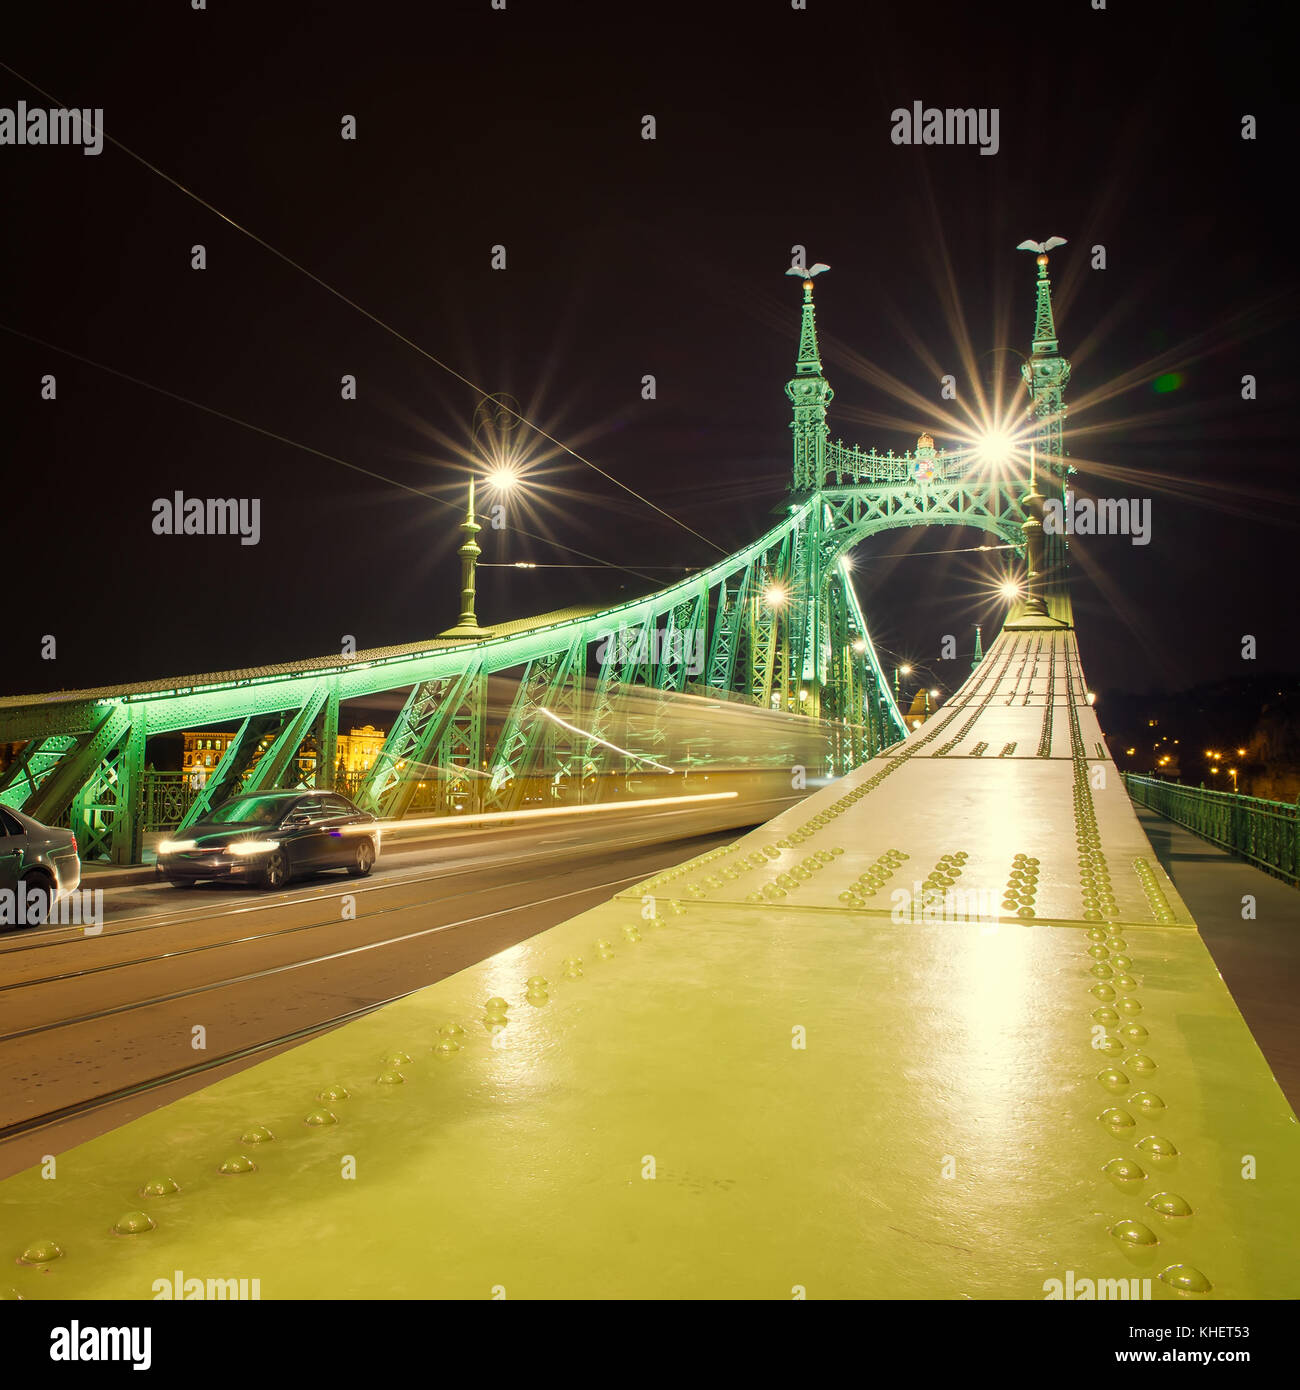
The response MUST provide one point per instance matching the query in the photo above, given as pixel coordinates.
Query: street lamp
(502, 478)
(996, 448)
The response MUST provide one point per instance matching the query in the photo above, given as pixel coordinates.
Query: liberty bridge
(749, 1074)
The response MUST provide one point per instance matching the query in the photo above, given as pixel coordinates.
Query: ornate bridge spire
(811, 394)
(1046, 374)
(1045, 343)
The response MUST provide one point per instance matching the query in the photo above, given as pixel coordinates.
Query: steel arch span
(776, 625)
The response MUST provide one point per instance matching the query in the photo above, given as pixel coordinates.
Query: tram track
(330, 921)
(48, 939)
(46, 1118)
(268, 971)
(85, 1058)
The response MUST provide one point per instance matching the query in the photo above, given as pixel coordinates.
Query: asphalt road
(184, 986)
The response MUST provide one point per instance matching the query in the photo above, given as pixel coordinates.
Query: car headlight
(175, 846)
(252, 846)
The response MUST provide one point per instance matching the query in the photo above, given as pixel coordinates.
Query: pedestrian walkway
(1259, 959)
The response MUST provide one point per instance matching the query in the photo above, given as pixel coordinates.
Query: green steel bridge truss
(778, 623)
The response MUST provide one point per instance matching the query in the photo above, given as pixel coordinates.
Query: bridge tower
(811, 393)
(1046, 375)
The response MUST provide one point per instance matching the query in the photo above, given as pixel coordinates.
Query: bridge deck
(784, 1082)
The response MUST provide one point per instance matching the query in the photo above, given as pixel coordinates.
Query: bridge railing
(1267, 833)
(848, 464)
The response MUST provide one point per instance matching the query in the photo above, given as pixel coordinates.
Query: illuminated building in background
(204, 750)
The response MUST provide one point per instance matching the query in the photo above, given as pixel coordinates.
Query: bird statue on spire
(810, 271)
(1042, 247)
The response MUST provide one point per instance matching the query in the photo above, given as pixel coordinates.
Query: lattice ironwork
(777, 620)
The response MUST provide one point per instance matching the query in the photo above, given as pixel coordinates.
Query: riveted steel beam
(77, 765)
(415, 747)
(228, 775)
(25, 774)
(280, 759)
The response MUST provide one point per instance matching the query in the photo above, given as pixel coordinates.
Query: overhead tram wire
(374, 318)
(306, 448)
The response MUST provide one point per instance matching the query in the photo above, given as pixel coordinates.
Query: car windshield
(251, 810)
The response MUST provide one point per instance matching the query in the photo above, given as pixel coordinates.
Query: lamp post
(469, 553)
(900, 670)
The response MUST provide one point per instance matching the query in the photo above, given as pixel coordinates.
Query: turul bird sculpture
(810, 272)
(1042, 247)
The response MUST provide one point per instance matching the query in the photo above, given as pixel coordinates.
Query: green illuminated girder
(768, 624)
(682, 638)
(799, 619)
(106, 808)
(460, 750)
(730, 614)
(227, 776)
(617, 657)
(754, 651)
(838, 695)
(417, 740)
(327, 739)
(281, 758)
(549, 681)
(25, 774)
(858, 512)
(79, 764)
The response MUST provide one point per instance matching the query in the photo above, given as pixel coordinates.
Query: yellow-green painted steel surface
(791, 1079)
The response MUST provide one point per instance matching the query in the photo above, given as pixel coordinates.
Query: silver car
(41, 860)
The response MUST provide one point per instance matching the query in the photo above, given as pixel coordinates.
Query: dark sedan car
(41, 860)
(267, 838)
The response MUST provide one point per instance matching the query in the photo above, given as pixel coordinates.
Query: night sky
(627, 257)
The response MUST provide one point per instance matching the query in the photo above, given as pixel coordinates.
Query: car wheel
(276, 871)
(363, 860)
(38, 908)
(179, 882)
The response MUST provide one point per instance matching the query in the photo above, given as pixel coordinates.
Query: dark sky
(626, 257)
